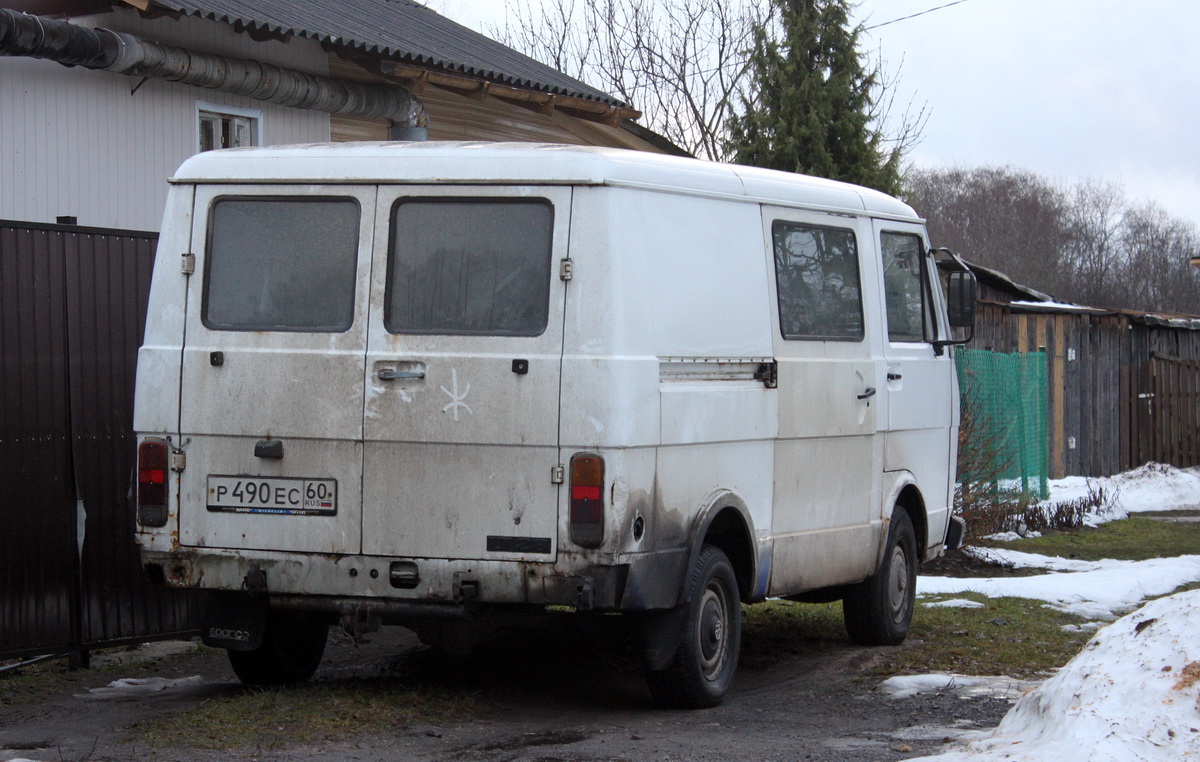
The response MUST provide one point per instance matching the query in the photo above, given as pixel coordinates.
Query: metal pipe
(31, 36)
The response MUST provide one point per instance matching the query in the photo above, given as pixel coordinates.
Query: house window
(227, 126)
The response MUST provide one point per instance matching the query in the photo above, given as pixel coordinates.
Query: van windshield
(281, 264)
(469, 267)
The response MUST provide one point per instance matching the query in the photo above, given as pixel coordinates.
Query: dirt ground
(545, 698)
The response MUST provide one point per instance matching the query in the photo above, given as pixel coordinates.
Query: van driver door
(920, 379)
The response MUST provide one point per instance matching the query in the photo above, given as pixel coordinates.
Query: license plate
(259, 494)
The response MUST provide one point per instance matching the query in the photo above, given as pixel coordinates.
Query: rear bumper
(338, 582)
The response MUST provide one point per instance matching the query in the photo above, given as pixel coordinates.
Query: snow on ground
(1090, 589)
(964, 686)
(1133, 693)
(956, 603)
(1153, 487)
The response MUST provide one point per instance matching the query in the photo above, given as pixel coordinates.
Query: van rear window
(281, 264)
(816, 272)
(469, 267)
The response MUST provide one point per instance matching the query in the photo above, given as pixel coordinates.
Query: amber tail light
(587, 500)
(152, 483)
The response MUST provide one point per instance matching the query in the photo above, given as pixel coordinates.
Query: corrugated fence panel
(38, 557)
(108, 282)
(73, 307)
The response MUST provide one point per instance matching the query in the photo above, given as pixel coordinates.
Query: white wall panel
(82, 143)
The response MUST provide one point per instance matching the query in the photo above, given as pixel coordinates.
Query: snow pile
(1090, 589)
(1153, 487)
(1133, 693)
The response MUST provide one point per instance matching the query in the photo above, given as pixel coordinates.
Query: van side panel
(156, 402)
(609, 369)
(160, 358)
(667, 321)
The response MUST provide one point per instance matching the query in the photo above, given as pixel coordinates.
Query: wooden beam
(478, 88)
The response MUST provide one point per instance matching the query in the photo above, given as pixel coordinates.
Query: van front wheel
(878, 610)
(291, 650)
(710, 636)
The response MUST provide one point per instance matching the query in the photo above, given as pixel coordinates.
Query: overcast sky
(1070, 89)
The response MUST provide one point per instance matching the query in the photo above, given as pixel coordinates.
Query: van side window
(476, 267)
(902, 283)
(816, 273)
(281, 264)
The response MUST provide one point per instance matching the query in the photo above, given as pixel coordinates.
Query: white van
(452, 385)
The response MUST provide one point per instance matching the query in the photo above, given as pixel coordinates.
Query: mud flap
(235, 621)
(955, 532)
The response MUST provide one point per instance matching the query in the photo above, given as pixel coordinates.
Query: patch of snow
(1053, 305)
(1133, 693)
(961, 732)
(1012, 536)
(138, 687)
(964, 686)
(955, 603)
(1085, 627)
(1090, 589)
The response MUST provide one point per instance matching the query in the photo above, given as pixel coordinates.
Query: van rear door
(273, 364)
(463, 368)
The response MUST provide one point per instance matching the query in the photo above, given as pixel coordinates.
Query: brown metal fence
(72, 311)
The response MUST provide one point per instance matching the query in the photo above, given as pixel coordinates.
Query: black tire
(291, 650)
(878, 610)
(710, 638)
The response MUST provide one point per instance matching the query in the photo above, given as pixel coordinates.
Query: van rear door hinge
(566, 268)
(558, 474)
(178, 460)
(188, 265)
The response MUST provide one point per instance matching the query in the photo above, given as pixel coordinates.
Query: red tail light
(152, 483)
(587, 500)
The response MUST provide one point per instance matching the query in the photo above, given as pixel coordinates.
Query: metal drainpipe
(31, 36)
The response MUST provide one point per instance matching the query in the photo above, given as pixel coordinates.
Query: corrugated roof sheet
(398, 30)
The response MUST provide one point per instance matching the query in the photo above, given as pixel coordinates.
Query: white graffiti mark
(456, 399)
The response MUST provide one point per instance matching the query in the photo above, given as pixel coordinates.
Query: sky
(1074, 90)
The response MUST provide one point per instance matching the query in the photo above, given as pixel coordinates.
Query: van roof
(529, 163)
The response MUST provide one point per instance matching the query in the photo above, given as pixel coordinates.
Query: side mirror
(960, 299)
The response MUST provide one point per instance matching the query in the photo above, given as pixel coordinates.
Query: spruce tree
(810, 99)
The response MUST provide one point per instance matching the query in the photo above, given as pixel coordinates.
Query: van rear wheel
(710, 637)
(878, 610)
(291, 650)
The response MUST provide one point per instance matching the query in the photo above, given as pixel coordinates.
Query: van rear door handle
(391, 374)
(870, 392)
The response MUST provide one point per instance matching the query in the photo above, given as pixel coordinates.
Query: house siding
(77, 142)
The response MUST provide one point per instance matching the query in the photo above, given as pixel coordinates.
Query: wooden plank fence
(1122, 389)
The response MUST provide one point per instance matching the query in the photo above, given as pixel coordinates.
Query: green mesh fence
(1003, 441)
